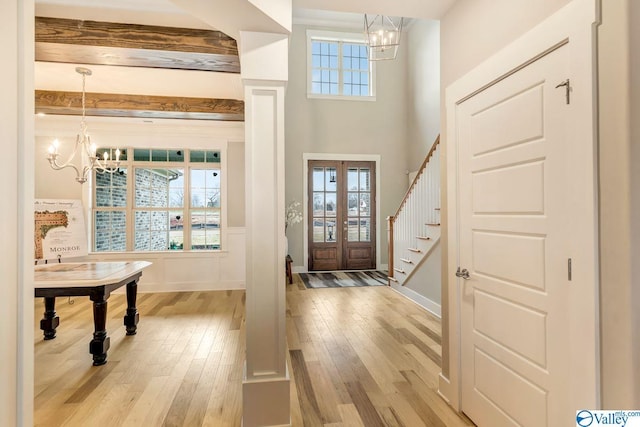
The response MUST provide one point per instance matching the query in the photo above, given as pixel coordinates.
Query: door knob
(464, 273)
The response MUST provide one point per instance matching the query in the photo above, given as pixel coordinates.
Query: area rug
(338, 279)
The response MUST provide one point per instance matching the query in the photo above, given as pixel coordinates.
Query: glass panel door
(342, 215)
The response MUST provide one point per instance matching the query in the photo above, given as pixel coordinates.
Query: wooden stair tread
(416, 250)
(423, 237)
(433, 224)
(408, 261)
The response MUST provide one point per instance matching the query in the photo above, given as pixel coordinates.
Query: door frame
(573, 25)
(305, 197)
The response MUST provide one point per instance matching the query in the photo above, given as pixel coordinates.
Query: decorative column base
(266, 402)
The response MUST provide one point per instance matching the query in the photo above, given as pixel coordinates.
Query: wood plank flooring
(357, 357)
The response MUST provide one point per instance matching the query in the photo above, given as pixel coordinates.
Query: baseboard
(266, 402)
(444, 388)
(424, 302)
(227, 285)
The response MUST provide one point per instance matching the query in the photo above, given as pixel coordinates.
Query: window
(143, 205)
(338, 66)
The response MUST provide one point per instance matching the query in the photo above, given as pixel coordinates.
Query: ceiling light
(86, 150)
(383, 35)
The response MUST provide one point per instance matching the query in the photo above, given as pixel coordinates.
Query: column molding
(266, 383)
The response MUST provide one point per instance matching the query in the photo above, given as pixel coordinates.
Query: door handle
(464, 273)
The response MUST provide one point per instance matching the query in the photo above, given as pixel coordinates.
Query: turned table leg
(100, 342)
(132, 316)
(50, 321)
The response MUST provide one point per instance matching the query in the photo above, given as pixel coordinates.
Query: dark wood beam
(108, 43)
(143, 106)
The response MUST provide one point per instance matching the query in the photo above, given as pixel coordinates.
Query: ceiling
(56, 71)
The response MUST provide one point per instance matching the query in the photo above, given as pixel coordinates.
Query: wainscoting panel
(191, 271)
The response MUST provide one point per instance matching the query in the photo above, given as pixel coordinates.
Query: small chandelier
(86, 149)
(383, 36)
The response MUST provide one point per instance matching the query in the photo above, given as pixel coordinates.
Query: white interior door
(515, 238)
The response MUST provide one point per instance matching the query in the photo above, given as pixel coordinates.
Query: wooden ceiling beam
(108, 43)
(140, 106)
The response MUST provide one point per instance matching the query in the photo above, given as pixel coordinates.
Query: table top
(79, 274)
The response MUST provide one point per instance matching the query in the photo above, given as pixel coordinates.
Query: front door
(342, 221)
(515, 240)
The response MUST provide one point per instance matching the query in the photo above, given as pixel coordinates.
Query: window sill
(341, 97)
(160, 254)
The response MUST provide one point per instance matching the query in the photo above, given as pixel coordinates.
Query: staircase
(414, 230)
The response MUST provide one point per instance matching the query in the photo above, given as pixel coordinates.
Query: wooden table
(93, 279)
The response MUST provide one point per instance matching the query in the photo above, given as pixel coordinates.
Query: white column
(263, 58)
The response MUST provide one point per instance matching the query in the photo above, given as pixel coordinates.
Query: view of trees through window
(146, 210)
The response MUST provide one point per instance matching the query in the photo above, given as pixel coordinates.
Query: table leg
(50, 321)
(132, 316)
(100, 342)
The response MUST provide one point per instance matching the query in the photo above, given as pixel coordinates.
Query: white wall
(619, 201)
(423, 89)
(423, 287)
(171, 271)
(470, 32)
(9, 215)
(16, 218)
(345, 127)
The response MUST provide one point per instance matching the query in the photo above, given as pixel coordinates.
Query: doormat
(342, 279)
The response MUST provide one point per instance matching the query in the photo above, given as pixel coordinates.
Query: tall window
(159, 200)
(338, 66)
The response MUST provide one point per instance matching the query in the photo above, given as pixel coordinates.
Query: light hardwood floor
(357, 357)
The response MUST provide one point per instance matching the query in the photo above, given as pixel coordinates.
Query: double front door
(342, 220)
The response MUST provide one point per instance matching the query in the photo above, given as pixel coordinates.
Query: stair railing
(419, 208)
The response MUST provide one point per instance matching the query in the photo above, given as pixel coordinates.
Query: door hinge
(567, 87)
(569, 269)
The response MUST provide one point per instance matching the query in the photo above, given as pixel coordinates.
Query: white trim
(24, 370)
(305, 197)
(341, 97)
(575, 23)
(175, 271)
(444, 387)
(338, 36)
(424, 302)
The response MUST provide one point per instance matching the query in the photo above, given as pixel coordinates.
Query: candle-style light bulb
(105, 156)
(117, 154)
(92, 150)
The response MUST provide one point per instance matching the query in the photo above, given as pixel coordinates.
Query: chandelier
(83, 147)
(383, 36)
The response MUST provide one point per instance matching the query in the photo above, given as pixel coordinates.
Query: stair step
(399, 270)
(393, 279)
(423, 238)
(408, 261)
(433, 224)
(416, 250)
